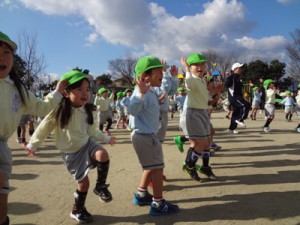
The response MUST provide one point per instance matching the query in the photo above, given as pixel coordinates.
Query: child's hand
(184, 64)
(142, 83)
(29, 152)
(165, 63)
(61, 86)
(112, 140)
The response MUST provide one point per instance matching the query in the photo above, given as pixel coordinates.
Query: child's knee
(101, 155)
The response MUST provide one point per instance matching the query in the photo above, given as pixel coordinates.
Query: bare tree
(122, 68)
(35, 65)
(293, 50)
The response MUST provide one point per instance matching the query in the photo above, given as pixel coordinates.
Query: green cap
(298, 85)
(120, 94)
(288, 92)
(146, 63)
(267, 82)
(209, 78)
(6, 39)
(195, 58)
(73, 77)
(102, 90)
(180, 89)
(254, 88)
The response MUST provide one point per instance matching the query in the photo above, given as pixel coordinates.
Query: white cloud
(285, 2)
(150, 29)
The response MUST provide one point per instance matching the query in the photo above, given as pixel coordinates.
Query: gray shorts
(255, 104)
(149, 150)
(198, 123)
(80, 162)
(270, 109)
(5, 165)
(288, 109)
(24, 120)
(102, 117)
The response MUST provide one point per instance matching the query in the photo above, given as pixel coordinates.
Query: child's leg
(109, 123)
(30, 128)
(124, 122)
(102, 162)
(3, 208)
(157, 183)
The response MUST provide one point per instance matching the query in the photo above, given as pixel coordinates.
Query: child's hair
(13, 74)
(63, 111)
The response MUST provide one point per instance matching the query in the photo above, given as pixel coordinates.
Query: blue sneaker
(214, 146)
(179, 143)
(163, 209)
(141, 201)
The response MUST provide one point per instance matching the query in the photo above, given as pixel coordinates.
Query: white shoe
(233, 131)
(240, 123)
(267, 129)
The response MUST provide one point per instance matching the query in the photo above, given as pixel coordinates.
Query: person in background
(289, 104)
(255, 102)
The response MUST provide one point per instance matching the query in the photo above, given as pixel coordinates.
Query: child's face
(271, 86)
(198, 69)
(181, 93)
(81, 95)
(129, 93)
(104, 94)
(156, 77)
(6, 61)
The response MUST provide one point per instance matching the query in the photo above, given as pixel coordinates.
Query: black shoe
(206, 170)
(103, 193)
(82, 216)
(192, 172)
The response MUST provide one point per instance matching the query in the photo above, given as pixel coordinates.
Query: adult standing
(235, 96)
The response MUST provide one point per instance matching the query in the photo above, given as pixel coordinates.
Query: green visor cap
(146, 63)
(120, 94)
(102, 90)
(180, 89)
(127, 90)
(267, 82)
(73, 77)
(195, 58)
(6, 39)
(288, 92)
(255, 88)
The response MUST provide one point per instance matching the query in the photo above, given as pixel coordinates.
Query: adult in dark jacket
(235, 96)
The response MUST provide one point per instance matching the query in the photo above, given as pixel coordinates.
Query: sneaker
(179, 143)
(162, 209)
(214, 146)
(191, 171)
(129, 129)
(298, 129)
(141, 201)
(240, 123)
(267, 129)
(206, 170)
(82, 216)
(24, 144)
(233, 131)
(19, 140)
(103, 193)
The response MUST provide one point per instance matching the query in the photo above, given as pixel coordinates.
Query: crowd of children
(69, 112)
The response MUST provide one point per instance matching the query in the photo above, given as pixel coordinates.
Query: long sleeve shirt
(270, 96)
(179, 99)
(196, 91)
(11, 107)
(288, 101)
(102, 104)
(71, 138)
(234, 85)
(257, 97)
(144, 111)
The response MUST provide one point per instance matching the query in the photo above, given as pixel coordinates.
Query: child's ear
(65, 94)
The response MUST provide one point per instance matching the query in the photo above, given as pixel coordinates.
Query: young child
(255, 102)
(172, 106)
(16, 100)
(289, 104)
(197, 118)
(103, 103)
(75, 136)
(125, 103)
(270, 103)
(179, 99)
(120, 110)
(144, 110)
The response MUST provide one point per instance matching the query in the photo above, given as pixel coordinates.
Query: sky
(89, 33)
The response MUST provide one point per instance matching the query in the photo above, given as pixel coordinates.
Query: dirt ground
(258, 181)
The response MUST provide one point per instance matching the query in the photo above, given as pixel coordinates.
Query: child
(16, 100)
(120, 110)
(289, 104)
(269, 104)
(144, 110)
(125, 103)
(75, 134)
(179, 99)
(103, 103)
(255, 102)
(197, 118)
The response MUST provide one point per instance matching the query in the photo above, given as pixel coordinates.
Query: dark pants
(240, 111)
